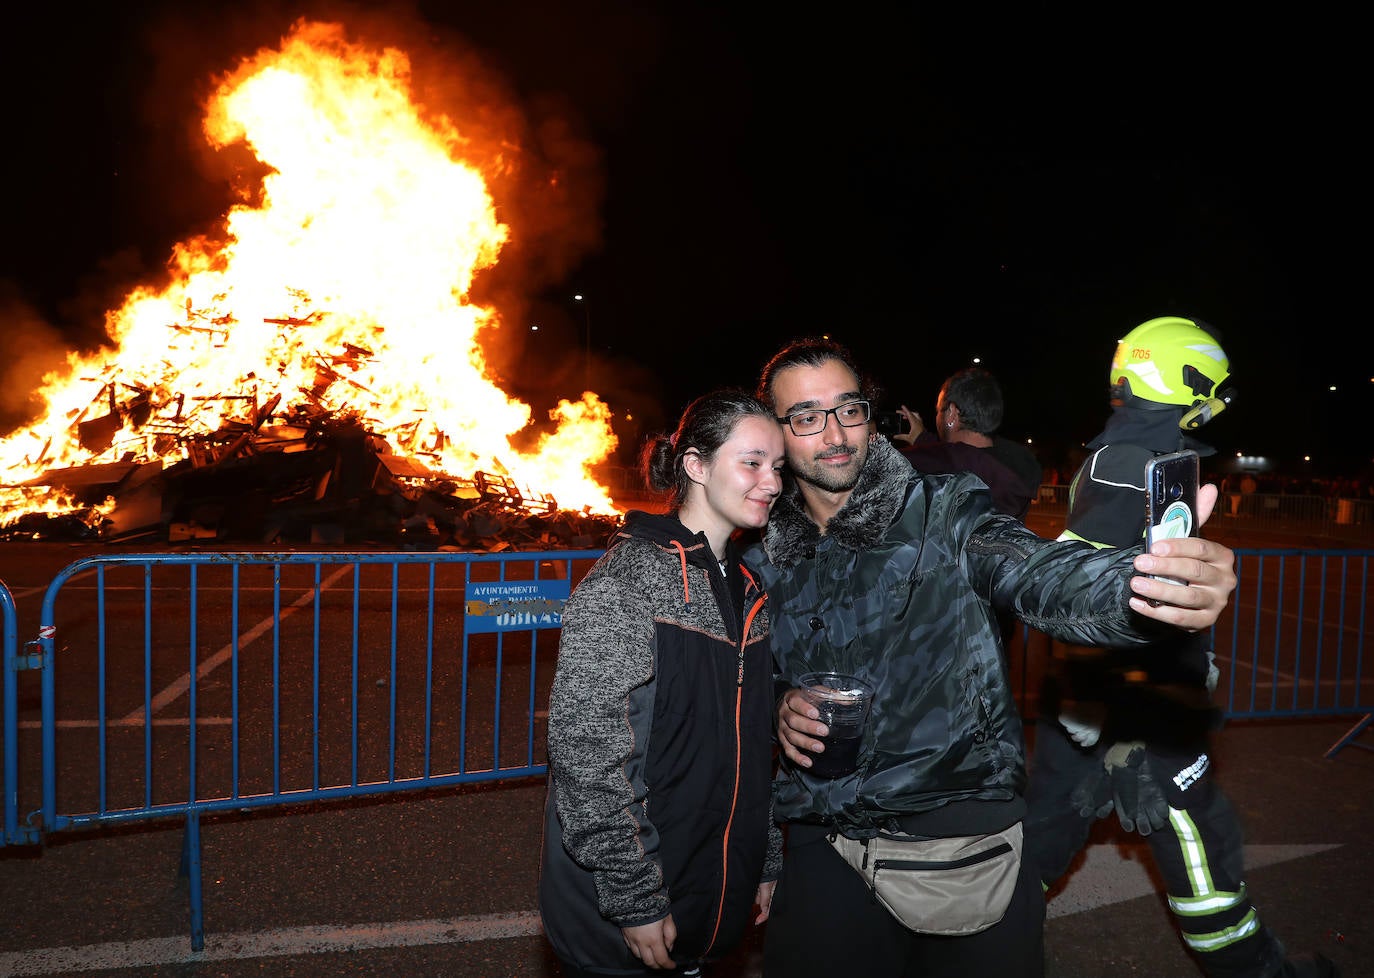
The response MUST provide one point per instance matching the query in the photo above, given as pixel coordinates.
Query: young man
(875, 570)
(1133, 723)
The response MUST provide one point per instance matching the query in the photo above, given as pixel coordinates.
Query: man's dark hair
(978, 396)
(811, 352)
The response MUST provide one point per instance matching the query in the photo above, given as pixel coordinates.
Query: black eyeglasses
(850, 414)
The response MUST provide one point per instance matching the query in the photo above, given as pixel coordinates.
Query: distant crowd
(1274, 483)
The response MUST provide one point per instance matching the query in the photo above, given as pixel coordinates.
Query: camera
(1164, 488)
(890, 423)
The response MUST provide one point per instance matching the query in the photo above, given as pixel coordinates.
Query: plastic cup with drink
(843, 702)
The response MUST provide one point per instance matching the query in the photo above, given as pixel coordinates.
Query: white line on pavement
(273, 943)
(175, 689)
(1107, 876)
(1112, 873)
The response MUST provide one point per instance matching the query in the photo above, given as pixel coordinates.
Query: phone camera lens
(1176, 491)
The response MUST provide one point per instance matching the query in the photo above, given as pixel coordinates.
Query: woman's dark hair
(810, 352)
(707, 424)
(978, 396)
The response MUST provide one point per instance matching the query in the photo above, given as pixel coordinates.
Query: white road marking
(209, 665)
(164, 951)
(1109, 874)
(1113, 873)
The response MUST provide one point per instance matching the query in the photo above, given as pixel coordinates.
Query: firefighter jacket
(1161, 694)
(660, 750)
(902, 589)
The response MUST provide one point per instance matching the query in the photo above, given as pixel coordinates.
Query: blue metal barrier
(1296, 639)
(213, 682)
(180, 685)
(1294, 642)
(10, 723)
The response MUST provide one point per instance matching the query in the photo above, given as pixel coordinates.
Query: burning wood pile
(319, 478)
(366, 413)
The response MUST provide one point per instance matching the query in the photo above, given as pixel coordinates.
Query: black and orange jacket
(660, 750)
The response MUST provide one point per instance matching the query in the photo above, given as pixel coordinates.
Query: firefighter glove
(1093, 796)
(1137, 796)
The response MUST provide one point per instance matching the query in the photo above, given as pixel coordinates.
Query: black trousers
(567, 970)
(1199, 855)
(825, 922)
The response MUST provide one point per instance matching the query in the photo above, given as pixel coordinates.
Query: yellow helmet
(1172, 362)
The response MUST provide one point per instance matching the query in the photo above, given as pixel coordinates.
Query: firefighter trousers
(1199, 855)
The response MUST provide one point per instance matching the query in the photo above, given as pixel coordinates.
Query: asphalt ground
(443, 883)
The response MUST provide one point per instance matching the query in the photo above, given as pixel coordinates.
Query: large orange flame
(343, 284)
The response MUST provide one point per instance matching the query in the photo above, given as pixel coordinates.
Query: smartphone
(1171, 498)
(891, 423)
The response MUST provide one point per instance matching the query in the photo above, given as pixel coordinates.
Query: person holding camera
(968, 412)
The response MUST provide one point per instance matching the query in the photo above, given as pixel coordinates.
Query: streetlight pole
(587, 353)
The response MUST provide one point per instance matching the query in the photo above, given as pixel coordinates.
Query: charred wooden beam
(502, 489)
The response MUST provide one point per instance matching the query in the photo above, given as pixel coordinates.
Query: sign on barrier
(510, 605)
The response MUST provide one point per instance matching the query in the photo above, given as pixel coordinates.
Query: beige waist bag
(956, 885)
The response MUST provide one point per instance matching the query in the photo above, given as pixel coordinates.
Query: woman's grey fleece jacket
(660, 751)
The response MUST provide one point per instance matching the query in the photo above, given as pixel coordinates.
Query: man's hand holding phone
(1205, 566)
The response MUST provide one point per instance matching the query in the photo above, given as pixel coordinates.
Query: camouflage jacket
(901, 589)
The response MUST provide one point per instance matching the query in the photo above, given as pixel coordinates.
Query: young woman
(658, 837)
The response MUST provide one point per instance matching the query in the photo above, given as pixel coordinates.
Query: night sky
(925, 187)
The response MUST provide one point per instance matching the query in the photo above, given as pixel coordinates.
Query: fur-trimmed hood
(862, 521)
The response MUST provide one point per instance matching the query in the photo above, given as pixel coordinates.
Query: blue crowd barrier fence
(188, 684)
(180, 685)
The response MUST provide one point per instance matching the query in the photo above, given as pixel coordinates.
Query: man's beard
(831, 479)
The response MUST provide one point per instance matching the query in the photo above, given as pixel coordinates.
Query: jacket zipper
(734, 796)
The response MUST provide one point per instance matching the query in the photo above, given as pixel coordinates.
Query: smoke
(495, 80)
(29, 348)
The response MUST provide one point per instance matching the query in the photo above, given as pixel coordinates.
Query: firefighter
(1128, 730)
